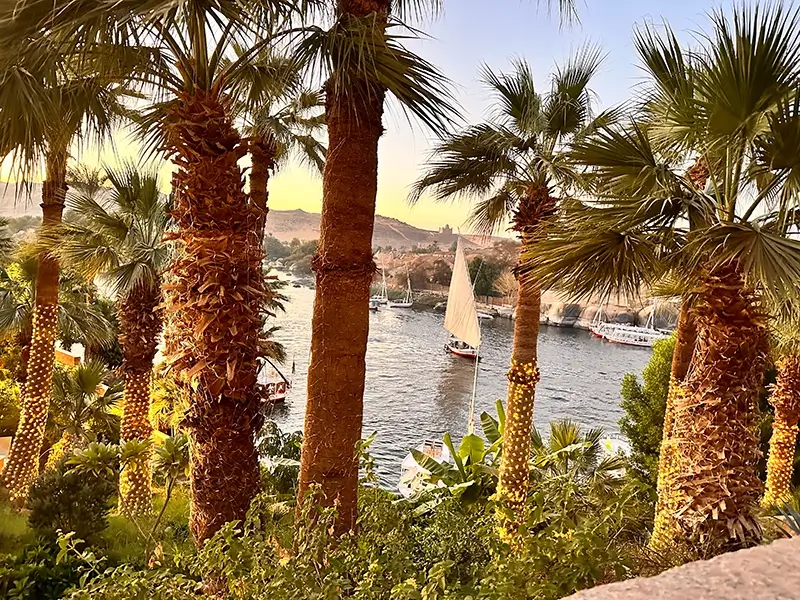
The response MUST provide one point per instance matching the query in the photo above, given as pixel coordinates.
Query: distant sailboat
(461, 320)
(408, 299)
(461, 317)
(382, 297)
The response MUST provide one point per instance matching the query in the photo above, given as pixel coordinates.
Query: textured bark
(22, 464)
(262, 154)
(785, 398)
(344, 270)
(140, 325)
(214, 301)
(512, 490)
(715, 429)
(685, 340)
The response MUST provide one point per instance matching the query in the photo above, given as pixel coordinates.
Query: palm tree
(118, 233)
(215, 287)
(364, 60)
(79, 316)
(281, 119)
(736, 108)
(514, 167)
(785, 398)
(82, 408)
(49, 100)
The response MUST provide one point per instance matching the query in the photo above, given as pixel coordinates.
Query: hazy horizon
(465, 36)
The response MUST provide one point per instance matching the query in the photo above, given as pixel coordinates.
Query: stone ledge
(763, 573)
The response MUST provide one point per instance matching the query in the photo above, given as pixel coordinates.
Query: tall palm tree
(738, 110)
(49, 100)
(82, 408)
(364, 60)
(514, 167)
(215, 286)
(118, 233)
(281, 120)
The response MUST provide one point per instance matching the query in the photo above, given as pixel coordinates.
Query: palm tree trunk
(140, 325)
(512, 489)
(344, 270)
(685, 339)
(715, 428)
(23, 460)
(214, 299)
(786, 400)
(62, 448)
(262, 154)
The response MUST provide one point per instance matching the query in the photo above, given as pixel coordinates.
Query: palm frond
(359, 50)
(568, 106)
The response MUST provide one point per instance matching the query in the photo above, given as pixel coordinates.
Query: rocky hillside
(283, 224)
(288, 224)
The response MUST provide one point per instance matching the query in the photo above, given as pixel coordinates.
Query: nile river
(415, 390)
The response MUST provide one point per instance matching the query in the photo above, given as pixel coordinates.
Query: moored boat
(412, 474)
(408, 299)
(374, 304)
(276, 384)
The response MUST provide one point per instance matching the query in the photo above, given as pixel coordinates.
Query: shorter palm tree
(785, 398)
(514, 166)
(80, 318)
(118, 234)
(281, 119)
(82, 408)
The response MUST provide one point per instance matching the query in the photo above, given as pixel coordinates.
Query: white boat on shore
(412, 475)
(408, 299)
(628, 335)
(485, 316)
(382, 297)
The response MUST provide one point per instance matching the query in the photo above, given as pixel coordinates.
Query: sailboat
(408, 300)
(382, 297)
(461, 320)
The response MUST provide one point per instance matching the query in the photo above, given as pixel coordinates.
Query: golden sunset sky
(463, 38)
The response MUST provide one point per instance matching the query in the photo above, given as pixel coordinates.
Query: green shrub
(36, 575)
(9, 403)
(68, 501)
(14, 531)
(644, 405)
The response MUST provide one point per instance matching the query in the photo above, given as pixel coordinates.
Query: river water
(415, 390)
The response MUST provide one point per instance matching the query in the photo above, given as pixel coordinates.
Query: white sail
(461, 318)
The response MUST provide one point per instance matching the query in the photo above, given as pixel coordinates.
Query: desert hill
(283, 224)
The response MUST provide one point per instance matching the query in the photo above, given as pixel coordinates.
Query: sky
(472, 32)
(466, 35)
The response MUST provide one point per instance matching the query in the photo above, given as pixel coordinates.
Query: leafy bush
(644, 405)
(9, 403)
(62, 499)
(281, 451)
(37, 575)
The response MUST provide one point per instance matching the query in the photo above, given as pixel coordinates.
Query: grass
(14, 531)
(124, 540)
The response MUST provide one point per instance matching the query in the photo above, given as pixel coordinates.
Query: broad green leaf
(428, 463)
(501, 416)
(490, 427)
(472, 447)
(456, 458)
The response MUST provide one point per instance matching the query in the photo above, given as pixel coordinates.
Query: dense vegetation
(128, 479)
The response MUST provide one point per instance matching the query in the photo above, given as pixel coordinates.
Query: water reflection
(414, 389)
